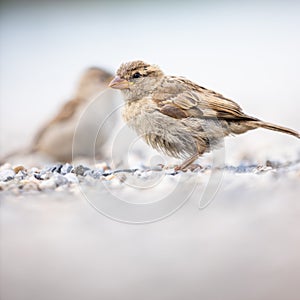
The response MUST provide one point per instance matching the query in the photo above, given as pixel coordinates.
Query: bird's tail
(275, 127)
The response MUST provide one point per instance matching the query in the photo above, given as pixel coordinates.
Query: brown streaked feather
(195, 101)
(173, 111)
(65, 113)
(185, 100)
(126, 70)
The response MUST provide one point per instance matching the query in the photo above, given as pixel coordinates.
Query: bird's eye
(136, 75)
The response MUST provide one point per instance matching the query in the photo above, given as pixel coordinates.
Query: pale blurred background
(243, 246)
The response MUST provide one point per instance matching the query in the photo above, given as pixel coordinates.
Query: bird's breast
(135, 109)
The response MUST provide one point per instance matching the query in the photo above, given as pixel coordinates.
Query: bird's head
(136, 79)
(93, 81)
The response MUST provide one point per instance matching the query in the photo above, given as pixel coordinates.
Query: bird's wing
(180, 98)
(66, 111)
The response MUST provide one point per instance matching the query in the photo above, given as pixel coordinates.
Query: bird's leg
(187, 163)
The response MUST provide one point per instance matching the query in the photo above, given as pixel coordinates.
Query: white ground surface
(245, 244)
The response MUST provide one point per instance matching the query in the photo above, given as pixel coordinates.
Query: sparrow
(177, 116)
(56, 137)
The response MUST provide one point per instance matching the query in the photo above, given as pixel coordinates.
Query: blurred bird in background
(78, 129)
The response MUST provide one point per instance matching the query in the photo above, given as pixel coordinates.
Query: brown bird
(56, 137)
(178, 117)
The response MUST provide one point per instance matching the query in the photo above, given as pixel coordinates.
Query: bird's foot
(191, 167)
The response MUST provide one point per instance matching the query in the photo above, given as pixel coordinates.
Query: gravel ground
(243, 245)
(66, 177)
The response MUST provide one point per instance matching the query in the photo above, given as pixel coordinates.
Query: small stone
(32, 178)
(261, 169)
(45, 175)
(272, 164)
(71, 177)
(59, 179)
(110, 177)
(20, 175)
(32, 171)
(47, 184)
(66, 168)
(139, 173)
(3, 185)
(61, 188)
(18, 168)
(80, 170)
(145, 174)
(122, 177)
(46, 169)
(57, 168)
(29, 186)
(7, 174)
(96, 174)
(171, 172)
(38, 176)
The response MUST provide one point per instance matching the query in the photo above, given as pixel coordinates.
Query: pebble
(80, 170)
(45, 176)
(96, 174)
(47, 184)
(110, 177)
(71, 177)
(33, 170)
(21, 175)
(57, 168)
(30, 186)
(7, 174)
(59, 179)
(66, 177)
(18, 168)
(66, 168)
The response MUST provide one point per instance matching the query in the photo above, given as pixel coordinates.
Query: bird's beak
(119, 83)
